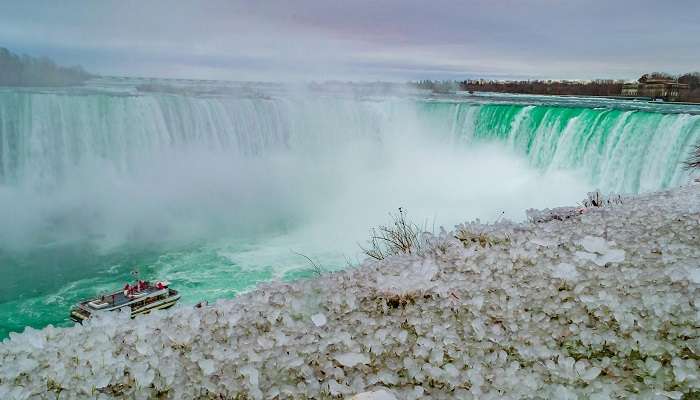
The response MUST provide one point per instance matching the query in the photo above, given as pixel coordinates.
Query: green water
(69, 275)
(217, 193)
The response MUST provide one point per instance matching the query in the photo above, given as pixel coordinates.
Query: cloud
(360, 39)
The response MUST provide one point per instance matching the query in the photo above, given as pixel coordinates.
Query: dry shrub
(394, 300)
(482, 239)
(399, 237)
(597, 199)
(384, 302)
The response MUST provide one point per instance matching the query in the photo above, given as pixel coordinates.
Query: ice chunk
(207, 366)
(381, 394)
(337, 389)
(544, 242)
(414, 277)
(590, 374)
(351, 359)
(319, 319)
(599, 251)
(612, 256)
(252, 374)
(565, 271)
(594, 244)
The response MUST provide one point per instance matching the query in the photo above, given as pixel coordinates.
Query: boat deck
(150, 297)
(117, 299)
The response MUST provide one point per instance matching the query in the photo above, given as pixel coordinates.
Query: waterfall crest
(44, 136)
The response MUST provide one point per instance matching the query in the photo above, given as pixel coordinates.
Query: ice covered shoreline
(603, 304)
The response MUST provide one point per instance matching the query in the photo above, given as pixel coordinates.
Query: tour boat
(140, 298)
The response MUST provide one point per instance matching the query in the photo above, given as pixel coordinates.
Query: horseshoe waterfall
(221, 190)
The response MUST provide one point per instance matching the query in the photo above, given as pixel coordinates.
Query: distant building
(666, 89)
(630, 89)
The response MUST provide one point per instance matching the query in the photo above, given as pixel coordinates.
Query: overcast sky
(394, 40)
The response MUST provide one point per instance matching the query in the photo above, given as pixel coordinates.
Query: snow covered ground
(603, 304)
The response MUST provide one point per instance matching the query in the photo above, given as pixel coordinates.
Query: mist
(316, 179)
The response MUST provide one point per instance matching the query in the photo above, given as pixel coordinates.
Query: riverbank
(601, 303)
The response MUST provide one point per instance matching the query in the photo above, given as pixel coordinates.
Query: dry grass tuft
(400, 237)
(597, 199)
(316, 269)
(482, 239)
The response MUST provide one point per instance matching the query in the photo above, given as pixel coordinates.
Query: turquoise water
(217, 189)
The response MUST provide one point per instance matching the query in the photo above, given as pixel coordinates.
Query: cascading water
(626, 151)
(215, 192)
(43, 137)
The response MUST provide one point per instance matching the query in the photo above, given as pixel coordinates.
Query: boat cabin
(140, 298)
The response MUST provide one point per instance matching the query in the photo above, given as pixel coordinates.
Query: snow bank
(601, 304)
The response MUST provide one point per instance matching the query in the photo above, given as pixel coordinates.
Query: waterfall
(218, 192)
(129, 166)
(44, 136)
(625, 151)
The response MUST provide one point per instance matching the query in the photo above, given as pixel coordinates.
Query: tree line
(693, 81)
(598, 87)
(23, 70)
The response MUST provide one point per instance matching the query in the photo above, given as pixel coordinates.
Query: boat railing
(98, 304)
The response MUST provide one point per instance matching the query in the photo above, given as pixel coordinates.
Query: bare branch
(317, 269)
